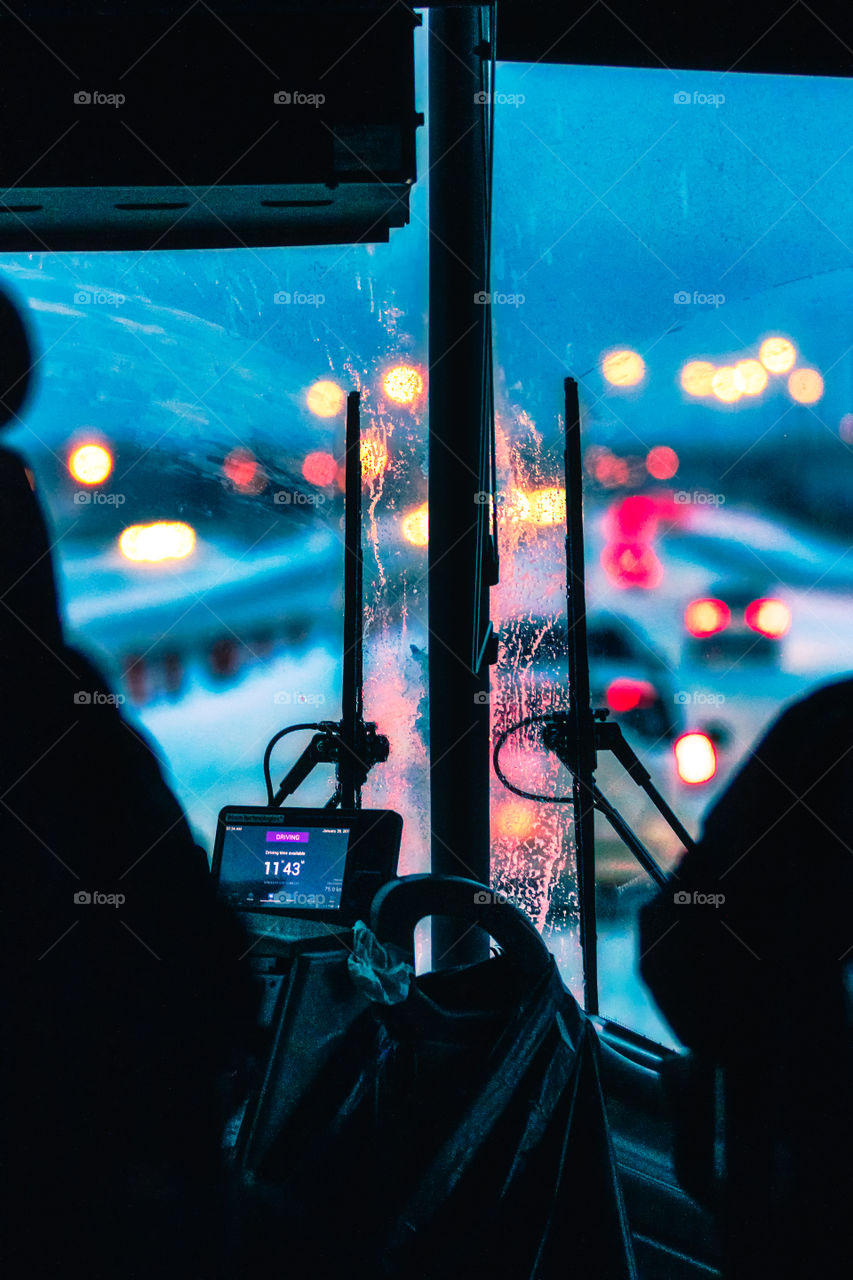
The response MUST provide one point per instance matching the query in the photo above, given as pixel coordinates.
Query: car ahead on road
(736, 622)
(155, 626)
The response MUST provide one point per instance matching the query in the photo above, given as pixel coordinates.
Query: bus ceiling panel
(791, 37)
(63, 219)
(224, 8)
(118, 132)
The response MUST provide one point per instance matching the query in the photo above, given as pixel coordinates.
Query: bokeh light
(547, 506)
(633, 519)
(626, 693)
(592, 455)
(845, 428)
(770, 617)
(623, 368)
(514, 819)
(517, 507)
(662, 462)
(750, 377)
(695, 758)
(805, 386)
(696, 377)
(90, 464)
(325, 398)
(163, 540)
(612, 472)
(632, 564)
(403, 384)
(319, 468)
(244, 471)
(374, 458)
(415, 526)
(777, 354)
(724, 384)
(706, 617)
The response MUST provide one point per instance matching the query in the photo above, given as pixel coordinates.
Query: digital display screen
(297, 868)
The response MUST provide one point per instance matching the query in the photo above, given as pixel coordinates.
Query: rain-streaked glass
(682, 244)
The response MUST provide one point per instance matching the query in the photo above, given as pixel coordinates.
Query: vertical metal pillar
(352, 708)
(581, 737)
(459, 710)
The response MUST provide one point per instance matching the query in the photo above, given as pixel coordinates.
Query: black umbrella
(460, 1130)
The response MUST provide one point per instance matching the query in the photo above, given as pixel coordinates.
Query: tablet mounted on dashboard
(317, 864)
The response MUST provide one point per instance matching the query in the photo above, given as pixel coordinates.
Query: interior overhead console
(171, 126)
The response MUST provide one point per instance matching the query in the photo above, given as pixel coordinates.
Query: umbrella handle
(401, 904)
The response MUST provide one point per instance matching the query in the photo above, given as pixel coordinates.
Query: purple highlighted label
(287, 837)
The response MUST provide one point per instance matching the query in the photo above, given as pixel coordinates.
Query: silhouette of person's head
(30, 629)
(783, 830)
(777, 851)
(16, 361)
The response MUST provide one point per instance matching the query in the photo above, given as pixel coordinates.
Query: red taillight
(632, 564)
(634, 519)
(770, 618)
(706, 617)
(625, 694)
(695, 758)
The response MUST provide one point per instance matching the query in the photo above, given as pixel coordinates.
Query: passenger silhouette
(748, 953)
(125, 999)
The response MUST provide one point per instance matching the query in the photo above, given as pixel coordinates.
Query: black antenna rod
(355, 747)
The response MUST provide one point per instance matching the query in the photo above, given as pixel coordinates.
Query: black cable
(293, 728)
(527, 795)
